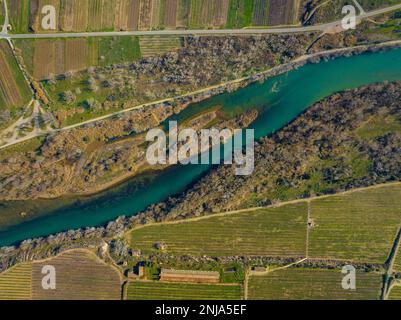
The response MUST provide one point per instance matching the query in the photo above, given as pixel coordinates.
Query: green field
(240, 13)
(179, 291)
(270, 232)
(15, 283)
(359, 226)
(19, 11)
(395, 293)
(315, 284)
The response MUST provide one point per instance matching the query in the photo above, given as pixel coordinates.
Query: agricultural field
(123, 15)
(314, 284)
(279, 232)
(395, 293)
(359, 226)
(284, 12)
(45, 58)
(80, 275)
(14, 90)
(139, 290)
(156, 45)
(15, 283)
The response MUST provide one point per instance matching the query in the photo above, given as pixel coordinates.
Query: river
(279, 99)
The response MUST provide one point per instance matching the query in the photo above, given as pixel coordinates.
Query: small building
(160, 246)
(189, 276)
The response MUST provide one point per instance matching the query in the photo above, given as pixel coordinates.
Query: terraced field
(395, 293)
(270, 232)
(155, 45)
(316, 284)
(15, 283)
(79, 275)
(179, 291)
(359, 226)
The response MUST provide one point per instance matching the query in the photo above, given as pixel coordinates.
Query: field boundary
(248, 210)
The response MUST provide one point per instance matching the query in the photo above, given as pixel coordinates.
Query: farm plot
(145, 14)
(277, 232)
(240, 13)
(261, 13)
(19, 15)
(183, 13)
(14, 91)
(170, 13)
(395, 293)
(126, 15)
(315, 284)
(155, 45)
(15, 283)
(80, 275)
(283, 12)
(359, 226)
(140, 290)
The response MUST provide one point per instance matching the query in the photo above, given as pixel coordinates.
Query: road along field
(359, 226)
(80, 275)
(155, 290)
(315, 284)
(276, 232)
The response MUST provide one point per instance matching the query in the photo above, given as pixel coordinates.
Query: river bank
(273, 120)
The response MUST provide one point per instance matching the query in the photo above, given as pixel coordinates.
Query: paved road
(320, 27)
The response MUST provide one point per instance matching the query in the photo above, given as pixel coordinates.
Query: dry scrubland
(271, 232)
(180, 291)
(79, 275)
(315, 284)
(360, 226)
(108, 15)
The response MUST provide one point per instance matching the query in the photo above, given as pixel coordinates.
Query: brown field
(75, 54)
(9, 93)
(145, 15)
(170, 18)
(261, 13)
(80, 275)
(283, 12)
(220, 12)
(53, 57)
(47, 58)
(124, 21)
